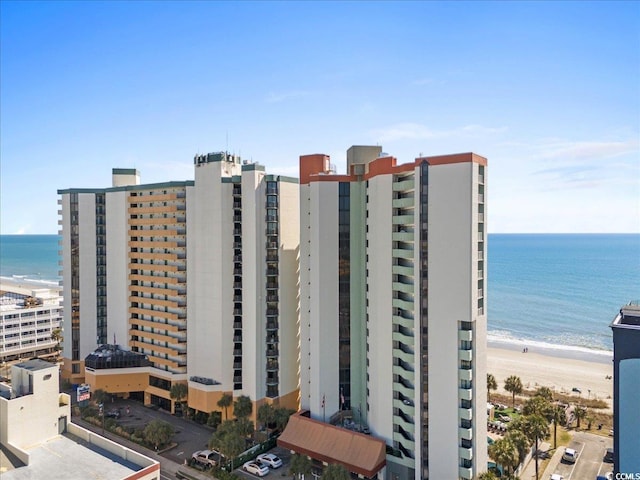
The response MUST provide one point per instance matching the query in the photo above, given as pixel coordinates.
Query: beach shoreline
(561, 374)
(553, 350)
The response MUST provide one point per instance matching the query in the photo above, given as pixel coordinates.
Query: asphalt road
(591, 449)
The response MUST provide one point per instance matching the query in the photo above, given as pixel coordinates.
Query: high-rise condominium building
(393, 305)
(200, 276)
(626, 391)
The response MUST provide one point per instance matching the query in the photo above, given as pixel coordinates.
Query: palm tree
(56, 336)
(281, 417)
(266, 415)
(99, 396)
(242, 407)
(491, 385)
(559, 416)
(225, 402)
(300, 465)
(504, 453)
(536, 428)
(228, 439)
(579, 412)
(520, 441)
(544, 392)
(178, 392)
(487, 476)
(538, 405)
(513, 384)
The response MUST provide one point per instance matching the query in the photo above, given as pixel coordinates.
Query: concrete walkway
(529, 471)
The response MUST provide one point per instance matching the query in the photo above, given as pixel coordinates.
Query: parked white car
(206, 457)
(256, 469)
(270, 459)
(570, 455)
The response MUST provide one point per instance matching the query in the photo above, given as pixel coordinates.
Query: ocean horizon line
(488, 233)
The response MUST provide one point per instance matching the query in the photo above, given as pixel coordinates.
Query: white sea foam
(503, 339)
(25, 279)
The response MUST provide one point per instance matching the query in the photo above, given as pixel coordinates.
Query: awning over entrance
(357, 452)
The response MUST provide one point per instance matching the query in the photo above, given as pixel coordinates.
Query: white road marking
(577, 460)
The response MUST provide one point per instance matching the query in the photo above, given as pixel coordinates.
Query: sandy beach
(558, 373)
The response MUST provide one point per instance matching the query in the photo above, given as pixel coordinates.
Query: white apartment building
(28, 318)
(393, 305)
(199, 276)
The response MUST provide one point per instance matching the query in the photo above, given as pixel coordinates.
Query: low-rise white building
(28, 318)
(36, 428)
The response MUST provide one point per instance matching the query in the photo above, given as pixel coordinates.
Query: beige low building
(36, 430)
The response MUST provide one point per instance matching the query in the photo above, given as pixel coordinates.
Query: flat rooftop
(35, 364)
(629, 316)
(67, 457)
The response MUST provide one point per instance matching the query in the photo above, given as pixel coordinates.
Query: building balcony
(405, 322)
(465, 335)
(466, 473)
(402, 270)
(466, 433)
(403, 219)
(465, 394)
(402, 337)
(403, 202)
(407, 376)
(159, 197)
(403, 237)
(409, 433)
(152, 278)
(404, 185)
(465, 413)
(155, 301)
(466, 355)
(403, 287)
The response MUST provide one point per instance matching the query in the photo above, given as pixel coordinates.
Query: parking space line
(577, 460)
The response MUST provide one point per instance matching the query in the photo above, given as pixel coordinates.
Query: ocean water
(30, 257)
(560, 291)
(548, 291)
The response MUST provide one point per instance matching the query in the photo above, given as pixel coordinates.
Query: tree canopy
(299, 465)
(225, 402)
(335, 471)
(157, 433)
(513, 384)
(242, 407)
(228, 439)
(491, 385)
(178, 392)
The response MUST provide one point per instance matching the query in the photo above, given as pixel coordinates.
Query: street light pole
(101, 405)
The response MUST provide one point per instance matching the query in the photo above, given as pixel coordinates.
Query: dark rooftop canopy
(112, 356)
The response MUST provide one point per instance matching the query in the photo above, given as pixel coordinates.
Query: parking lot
(591, 451)
(285, 456)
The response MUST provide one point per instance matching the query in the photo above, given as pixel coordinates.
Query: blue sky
(549, 92)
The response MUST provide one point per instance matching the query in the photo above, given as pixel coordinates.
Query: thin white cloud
(22, 230)
(278, 97)
(416, 131)
(589, 150)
